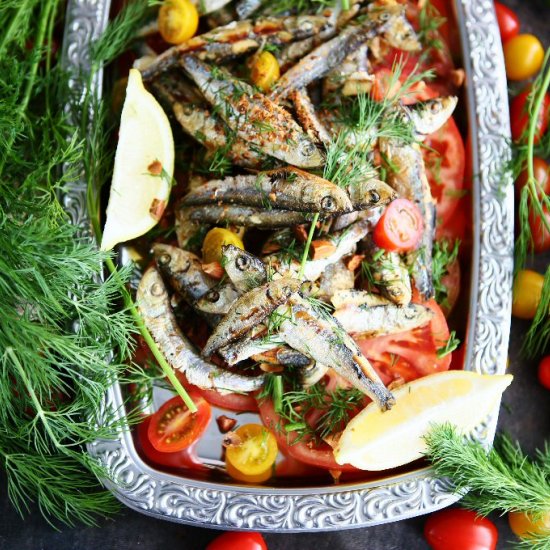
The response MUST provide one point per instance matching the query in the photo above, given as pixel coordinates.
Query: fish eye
(374, 197)
(157, 290)
(212, 296)
(242, 262)
(164, 259)
(435, 107)
(305, 25)
(328, 204)
(307, 148)
(185, 267)
(385, 16)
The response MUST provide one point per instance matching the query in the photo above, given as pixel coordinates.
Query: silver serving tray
(228, 505)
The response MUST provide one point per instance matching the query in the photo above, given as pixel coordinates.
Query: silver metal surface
(392, 498)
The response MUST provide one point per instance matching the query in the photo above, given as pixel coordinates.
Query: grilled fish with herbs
(253, 116)
(154, 306)
(249, 310)
(284, 188)
(245, 270)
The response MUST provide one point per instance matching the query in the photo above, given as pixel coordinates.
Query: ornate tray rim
(220, 506)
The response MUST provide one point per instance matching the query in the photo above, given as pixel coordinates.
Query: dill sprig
(538, 336)
(533, 201)
(503, 478)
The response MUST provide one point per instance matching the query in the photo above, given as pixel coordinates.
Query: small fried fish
(245, 270)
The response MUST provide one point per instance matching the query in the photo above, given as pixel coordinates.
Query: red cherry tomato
(234, 540)
(541, 171)
(186, 459)
(520, 117)
(539, 232)
(544, 372)
(457, 529)
(173, 427)
(444, 156)
(400, 227)
(508, 21)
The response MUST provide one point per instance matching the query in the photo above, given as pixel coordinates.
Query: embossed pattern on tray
(218, 505)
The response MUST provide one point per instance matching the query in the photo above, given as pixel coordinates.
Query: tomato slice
(174, 427)
(400, 227)
(444, 156)
(320, 455)
(185, 459)
(411, 354)
(451, 281)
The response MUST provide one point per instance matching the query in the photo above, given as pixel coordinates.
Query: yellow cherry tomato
(523, 56)
(253, 458)
(178, 20)
(527, 292)
(213, 242)
(523, 524)
(265, 71)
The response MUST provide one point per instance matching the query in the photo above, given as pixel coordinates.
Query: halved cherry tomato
(508, 21)
(520, 117)
(457, 529)
(444, 156)
(541, 171)
(523, 56)
(413, 353)
(264, 71)
(252, 459)
(186, 458)
(523, 524)
(173, 427)
(544, 372)
(400, 227)
(526, 293)
(178, 20)
(233, 540)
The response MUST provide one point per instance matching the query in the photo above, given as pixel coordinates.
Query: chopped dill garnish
(452, 343)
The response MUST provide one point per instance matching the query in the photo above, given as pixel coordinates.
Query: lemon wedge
(144, 165)
(377, 440)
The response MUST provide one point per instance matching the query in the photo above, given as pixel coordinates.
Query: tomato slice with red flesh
(185, 459)
(411, 354)
(444, 157)
(319, 455)
(400, 227)
(174, 427)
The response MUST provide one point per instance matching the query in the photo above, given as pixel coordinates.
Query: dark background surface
(525, 415)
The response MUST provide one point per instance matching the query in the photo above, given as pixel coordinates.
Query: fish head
(210, 299)
(151, 289)
(392, 22)
(375, 192)
(171, 259)
(234, 257)
(304, 153)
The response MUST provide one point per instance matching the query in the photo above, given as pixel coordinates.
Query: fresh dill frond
(538, 336)
(429, 22)
(534, 202)
(303, 6)
(503, 478)
(443, 256)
